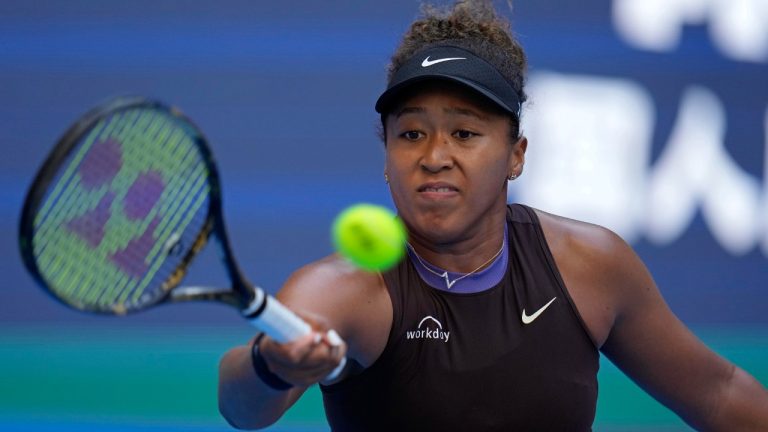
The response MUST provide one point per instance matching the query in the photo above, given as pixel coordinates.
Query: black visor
(452, 64)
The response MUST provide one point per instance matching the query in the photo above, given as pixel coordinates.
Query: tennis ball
(369, 236)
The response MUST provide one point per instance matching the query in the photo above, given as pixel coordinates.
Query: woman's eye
(411, 135)
(463, 134)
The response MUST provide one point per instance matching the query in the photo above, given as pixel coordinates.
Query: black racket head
(120, 207)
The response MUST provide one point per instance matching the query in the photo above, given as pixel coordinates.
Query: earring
(511, 177)
(386, 178)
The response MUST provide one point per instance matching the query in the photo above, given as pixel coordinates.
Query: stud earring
(386, 178)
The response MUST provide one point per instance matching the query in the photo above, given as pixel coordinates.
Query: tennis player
(496, 318)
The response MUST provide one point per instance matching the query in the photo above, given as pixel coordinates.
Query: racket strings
(67, 196)
(102, 235)
(137, 256)
(65, 201)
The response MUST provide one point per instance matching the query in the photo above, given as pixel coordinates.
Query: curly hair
(473, 25)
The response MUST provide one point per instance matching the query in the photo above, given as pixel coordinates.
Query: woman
(496, 318)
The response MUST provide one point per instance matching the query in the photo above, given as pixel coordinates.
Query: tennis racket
(117, 212)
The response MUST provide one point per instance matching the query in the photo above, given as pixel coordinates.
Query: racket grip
(280, 323)
(267, 314)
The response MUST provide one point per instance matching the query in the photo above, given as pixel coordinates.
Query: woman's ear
(517, 159)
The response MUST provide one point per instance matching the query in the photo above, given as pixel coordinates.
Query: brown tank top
(477, 362)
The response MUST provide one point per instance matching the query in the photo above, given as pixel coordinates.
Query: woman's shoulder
(601, 271)
(348, 298)
(332, 269)
(586, 239)
(331, 279)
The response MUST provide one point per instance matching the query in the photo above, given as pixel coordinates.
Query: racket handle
(270, 316)
(267, 314)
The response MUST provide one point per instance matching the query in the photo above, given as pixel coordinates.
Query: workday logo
(428, 328)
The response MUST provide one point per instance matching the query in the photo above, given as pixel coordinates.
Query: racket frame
(262, 310)
(241, 293)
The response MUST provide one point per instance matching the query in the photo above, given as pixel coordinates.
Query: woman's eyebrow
(448, 110)
(465, 112)
(409, 110)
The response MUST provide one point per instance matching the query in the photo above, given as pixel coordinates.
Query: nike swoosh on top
(527, 319)
(427, 62)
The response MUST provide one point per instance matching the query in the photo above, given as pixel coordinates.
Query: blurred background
(646, 116)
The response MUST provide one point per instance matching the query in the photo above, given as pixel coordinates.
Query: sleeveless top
(515, 357)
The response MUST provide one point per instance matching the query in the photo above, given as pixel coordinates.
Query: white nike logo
(527, 319)
(427, 62)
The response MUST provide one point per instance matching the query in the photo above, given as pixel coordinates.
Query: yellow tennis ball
(369, 236)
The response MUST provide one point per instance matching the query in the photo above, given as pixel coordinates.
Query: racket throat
(196, 293)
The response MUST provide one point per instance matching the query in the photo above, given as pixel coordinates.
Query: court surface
(134, 378)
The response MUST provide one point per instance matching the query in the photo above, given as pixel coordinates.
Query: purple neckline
(478, 282)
